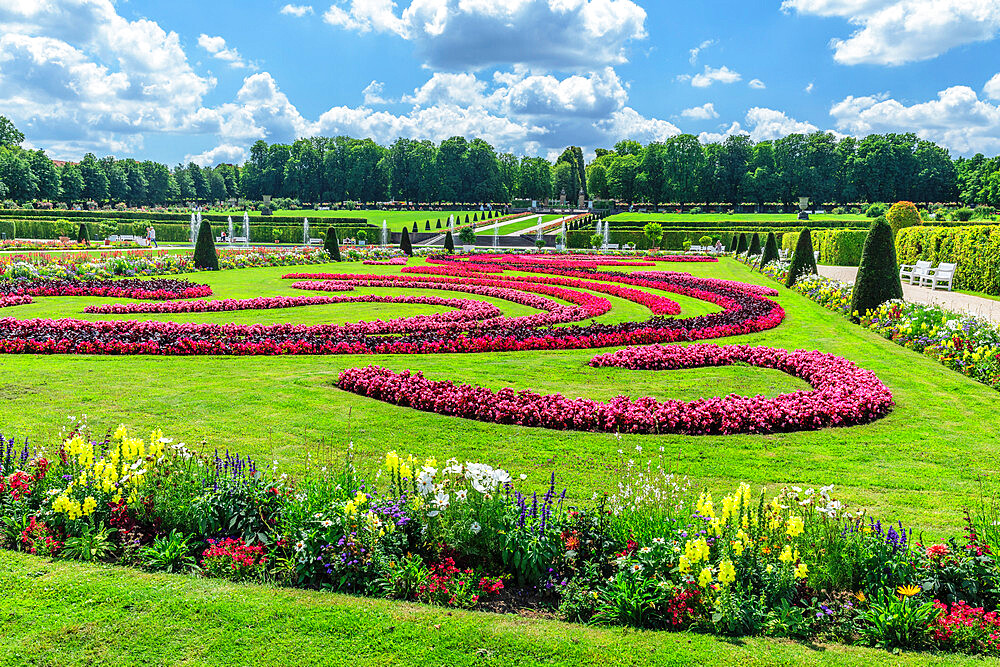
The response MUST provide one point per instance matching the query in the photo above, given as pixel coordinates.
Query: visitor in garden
(151, 235)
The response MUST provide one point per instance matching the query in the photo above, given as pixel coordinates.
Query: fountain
(496, 236)
(246, 228)
(451, 222)
(230, 230)
(385, 233)
(194, 228)
(562, 232)
(305, 231)
(607, 230)
(598, 232)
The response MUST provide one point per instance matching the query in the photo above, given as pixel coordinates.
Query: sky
(200, 81)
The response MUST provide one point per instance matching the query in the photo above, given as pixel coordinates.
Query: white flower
(317, 515)
(461, 494)
(501, 476)
(441, 500)
(326, 523)
(636, 568)
(475, 527)
(300, 545)
(645, 550)
(570, 554)
(659, 540)
(523, 477)
(425, 483)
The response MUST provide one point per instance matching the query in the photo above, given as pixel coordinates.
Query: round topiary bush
(878, 275)
(902, 214)
(804, 259)
(705, 240)
(467, 236)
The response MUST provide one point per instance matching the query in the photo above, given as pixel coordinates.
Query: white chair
(783, 255)
(944, 274)
(816, 255)
(914, 273)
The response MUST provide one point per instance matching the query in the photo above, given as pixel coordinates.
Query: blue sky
(201, 81)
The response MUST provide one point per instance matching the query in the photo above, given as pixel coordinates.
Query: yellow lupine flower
(727, 573)
(801, 571)
(795, 526)
(705, 578)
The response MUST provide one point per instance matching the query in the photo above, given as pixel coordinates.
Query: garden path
(552, 224)
(957, 301)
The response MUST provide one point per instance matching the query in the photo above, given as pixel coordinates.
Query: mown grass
(920, 464)
(694, 219)
(395, 220)
(65, 613)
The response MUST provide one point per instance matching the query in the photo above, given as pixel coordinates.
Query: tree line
(681, 170)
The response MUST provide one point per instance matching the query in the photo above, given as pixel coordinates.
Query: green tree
(70, 183)
(654, 232)
(623, 177)
(95, 181)
(46, 174)
(10, 136)
(216, 186)
(734, 158)
(804, 259)
(597, 181)
(158, 187)
(754, 248)
(449, 242)
(878, 274)
(742, 245)
(452, 169)
(16, 174)
(404, 243)
(684, 165)
(205, 256)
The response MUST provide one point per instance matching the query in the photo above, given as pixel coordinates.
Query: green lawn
(921, 464)
(694, 219)
(531, 221)
(64, 613)
(395, 220)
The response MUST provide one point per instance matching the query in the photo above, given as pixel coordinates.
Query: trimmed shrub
(438, 224)
(404, 242)
(754, 248)
(467, 235)
(705, 240)
(963, 214)
(878, 275)
(205, 256)
(427, 226)
(332, 244)
(803, 261)
(466, 218)
(876, 210)
(449, 241)
(975, 248)
(83, 236)
(902, 214)
(770, 252)
(654, 232)
(742, 244)
(415, 229)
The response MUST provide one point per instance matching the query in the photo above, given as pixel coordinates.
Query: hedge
(164, 216)
(672, 239)
(837, 247)
(975, 248)
(165, 232)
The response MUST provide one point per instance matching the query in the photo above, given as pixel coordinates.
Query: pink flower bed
(129, 288)
(842, 394)
(14, 300)
(395, 261)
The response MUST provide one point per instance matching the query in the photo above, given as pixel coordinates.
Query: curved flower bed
(157, 289)
(14, 300)
(395, 261)
(842, 394)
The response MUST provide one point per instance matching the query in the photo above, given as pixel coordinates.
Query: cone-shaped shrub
(427, 226)
(83, 236)
(804, 260)
(404, 243)
(474, 218)
(332, 244)
(205, 256)
(741, 244)
(449, 242)
(878, 275)
(415, 227)
(770, 250)
(754, 245)
(439, 223)
(466, 218)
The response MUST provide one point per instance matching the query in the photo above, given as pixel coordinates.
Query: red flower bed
(14, 300)
(842, 394)
(129, 288)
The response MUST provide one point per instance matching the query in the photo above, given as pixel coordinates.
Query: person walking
(151, 234)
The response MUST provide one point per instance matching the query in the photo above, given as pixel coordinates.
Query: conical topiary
(414, 226)
(754, 245)
(804, 260)
(741, 244)
(427, 226)
(404, 243)
(205, 256)
(449, 242)
(474, 218)
(83, 236)
(878, 275)
(332, 244)
(438, 224)
(466, 218)
(770, 250)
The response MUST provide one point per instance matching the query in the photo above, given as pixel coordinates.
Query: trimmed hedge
(671, 240)
(163, 216)
(975, 248)
(837, 247)
(165, 232)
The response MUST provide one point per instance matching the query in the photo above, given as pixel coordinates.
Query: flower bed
(842, 395)
(656, 553)
(159, 289)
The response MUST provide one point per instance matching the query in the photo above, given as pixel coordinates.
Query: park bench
(128, 238)
(914, 273)
(944, 274)
(239, 239)
(783, 255)
(315, 241)
(611, 246)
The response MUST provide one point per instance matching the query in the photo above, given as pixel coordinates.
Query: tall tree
(95, 181)
(10, 136)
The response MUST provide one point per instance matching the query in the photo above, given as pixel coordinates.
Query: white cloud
(957, 119)
(704, 112)
(459, 89)
(78, 77)
(893, 32)
(224, 153)
(471, 34)
(725, 133)
(711, 75)
(772, 124)
(595, 96)
(808, 89)
(992, 88)
(216, 47)
(698, 49)
(373, 93)
(630, 124)
(756, 84)
(297, 10)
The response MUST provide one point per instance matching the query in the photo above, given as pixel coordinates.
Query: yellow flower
(795, 526)
(89, 505)
(801, 570)
(350, 509)
(684, 564)
(392, 461)
(405, 471)
(705, 578)
(786, 554)
(861, 596)
(908, 591)
(727, 573)
(360, 499)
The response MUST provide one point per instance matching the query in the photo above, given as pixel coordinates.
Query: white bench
(944, 274)
(611, 246)
(128, 238)
(239, 239)
(783, 255)
(696, 248)
(315, 241)
(914, 273)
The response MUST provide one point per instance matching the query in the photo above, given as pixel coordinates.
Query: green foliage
(963, 214)
(361, 235)
(770, 252)
(803, 260)
(169, 553)
(654, 232)
(633, 599)
(539, 243)
(706, 240)
(467, 235)
(332, 244)
(975, 248)
(93, 543)
(83, 236)
(596, 240)
(878, 274)
(754, 248)
(889, 621)
(902, 214)
(404, 579)
(205, 256)
(404, 242)
(876, 210)
(742, 244)
(449, 242)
